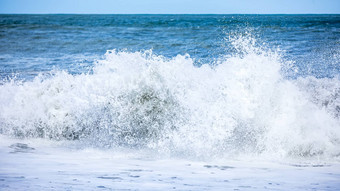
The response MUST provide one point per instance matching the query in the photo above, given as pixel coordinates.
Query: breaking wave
(241, 104)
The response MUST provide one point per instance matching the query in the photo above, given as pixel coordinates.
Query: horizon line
(169, 13)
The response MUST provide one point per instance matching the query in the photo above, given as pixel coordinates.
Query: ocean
(169, 102)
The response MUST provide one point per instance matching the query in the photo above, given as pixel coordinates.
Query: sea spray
(239, 106)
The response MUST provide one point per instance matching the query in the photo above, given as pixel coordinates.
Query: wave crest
(240, 105)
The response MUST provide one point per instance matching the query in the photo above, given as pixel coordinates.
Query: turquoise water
(31, 44)
(162, 102)
(240, 84)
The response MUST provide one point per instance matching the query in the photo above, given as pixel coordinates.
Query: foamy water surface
(246, 114)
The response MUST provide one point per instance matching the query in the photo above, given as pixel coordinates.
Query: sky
(171, 6)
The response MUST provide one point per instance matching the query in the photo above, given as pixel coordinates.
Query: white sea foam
(241, 106)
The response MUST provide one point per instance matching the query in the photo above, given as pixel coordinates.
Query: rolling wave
(242, 104)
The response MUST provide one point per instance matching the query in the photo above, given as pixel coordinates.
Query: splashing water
(239, 106)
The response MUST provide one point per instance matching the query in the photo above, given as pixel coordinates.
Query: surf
(238, 105)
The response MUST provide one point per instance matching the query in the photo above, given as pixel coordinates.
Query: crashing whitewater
(239, 105)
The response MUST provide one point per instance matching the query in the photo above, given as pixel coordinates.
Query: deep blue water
(30, 44)
(273, 86)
